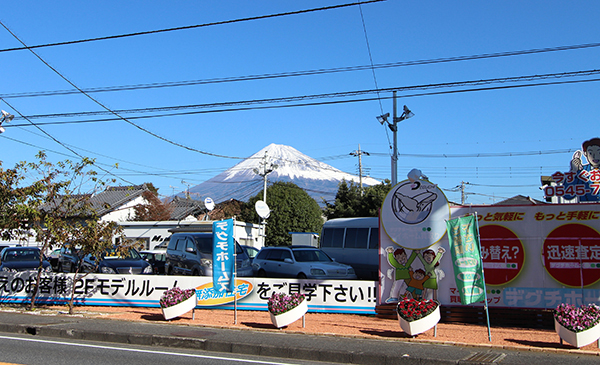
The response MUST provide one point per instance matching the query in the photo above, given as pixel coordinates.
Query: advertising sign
(582, 181)
(571, 254)
(466, 259)
(503, 254)
(324, 296)
(413, 214)
(534, 256)
(223, 255)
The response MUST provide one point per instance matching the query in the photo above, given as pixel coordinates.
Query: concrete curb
(256, 341)
(298, 353)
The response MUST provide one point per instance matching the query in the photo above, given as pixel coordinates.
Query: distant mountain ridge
(244, 180)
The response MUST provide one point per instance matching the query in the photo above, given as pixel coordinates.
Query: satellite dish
(209, 203)
(262, 209)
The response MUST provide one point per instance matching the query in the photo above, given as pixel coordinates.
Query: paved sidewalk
(371, 341)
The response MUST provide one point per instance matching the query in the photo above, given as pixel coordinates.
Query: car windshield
(130, 254)
(22, 255)
(311, 255)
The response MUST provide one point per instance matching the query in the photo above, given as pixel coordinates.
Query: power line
(298, 73)
(65, 146)
(108, 109)
(186, 27)
(487, 154)
(501, 186)
(334, 95)
(362, 18)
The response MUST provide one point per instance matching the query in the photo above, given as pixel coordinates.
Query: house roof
(182, 208)
(114, 197)
(520, 200)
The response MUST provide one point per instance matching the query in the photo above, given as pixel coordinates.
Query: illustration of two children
(418, 281)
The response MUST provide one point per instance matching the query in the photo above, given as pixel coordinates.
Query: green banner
(466, 259)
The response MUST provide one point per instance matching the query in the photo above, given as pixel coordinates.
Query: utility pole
(393, 125)
(173, 187)
(187, 190)
(359, 153)
(265, 168)
(6, 117)
(462, 193)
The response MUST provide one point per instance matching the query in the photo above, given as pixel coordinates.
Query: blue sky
(499, 141)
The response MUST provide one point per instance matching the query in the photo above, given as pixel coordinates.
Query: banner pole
(234, 275)
(485, 302)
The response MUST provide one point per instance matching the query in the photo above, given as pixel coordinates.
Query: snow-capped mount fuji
(245, 179)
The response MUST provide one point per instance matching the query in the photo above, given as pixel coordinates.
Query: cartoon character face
(429, 256)
(592, 154)
(401, 257)
(418, 275)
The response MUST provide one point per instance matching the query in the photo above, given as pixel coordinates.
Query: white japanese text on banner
(223, 255)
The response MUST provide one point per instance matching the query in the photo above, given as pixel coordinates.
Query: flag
(466, 258)
(223, 256)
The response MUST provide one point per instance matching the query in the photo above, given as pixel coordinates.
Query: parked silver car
(302, 262)
(191, 253)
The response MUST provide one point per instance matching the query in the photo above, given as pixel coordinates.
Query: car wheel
(195, 273)
(262, 273)
(302, 276)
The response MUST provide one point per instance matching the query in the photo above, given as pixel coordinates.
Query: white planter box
(420, 325)
(284, 319)
(577, 339)
(180, 309)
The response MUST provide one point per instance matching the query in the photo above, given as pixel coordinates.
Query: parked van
(354, 242)
(191, 253)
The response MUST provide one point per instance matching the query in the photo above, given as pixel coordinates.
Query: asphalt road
(266, 344)
(23, 349)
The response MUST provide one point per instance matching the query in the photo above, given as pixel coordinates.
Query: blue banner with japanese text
(223, 255)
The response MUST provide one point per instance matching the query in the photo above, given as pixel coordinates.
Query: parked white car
(302, 262)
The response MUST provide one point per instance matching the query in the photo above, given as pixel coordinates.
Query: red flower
(412, 309)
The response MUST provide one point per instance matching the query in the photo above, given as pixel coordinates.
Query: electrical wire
(345, 94)
(486, 154)
(296, 73)
(126, 35)
(111, 111)
(108, 172)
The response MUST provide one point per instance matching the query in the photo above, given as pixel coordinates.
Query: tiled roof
(115, 197)
(520, 200)
(182, 208)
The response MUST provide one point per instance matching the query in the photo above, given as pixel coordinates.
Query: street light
(406, 113)
(6, 117)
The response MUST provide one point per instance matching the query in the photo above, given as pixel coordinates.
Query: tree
(226, 210)
(349, 202)
(154, 210)
(93, 238)
(15, 212)
(54, 208)
(292, 210)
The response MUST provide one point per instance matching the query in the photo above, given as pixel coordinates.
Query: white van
(354, 242)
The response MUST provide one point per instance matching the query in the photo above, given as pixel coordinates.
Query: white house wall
(155, 232)
(124, 212)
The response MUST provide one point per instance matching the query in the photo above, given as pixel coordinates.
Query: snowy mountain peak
(285, 163)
